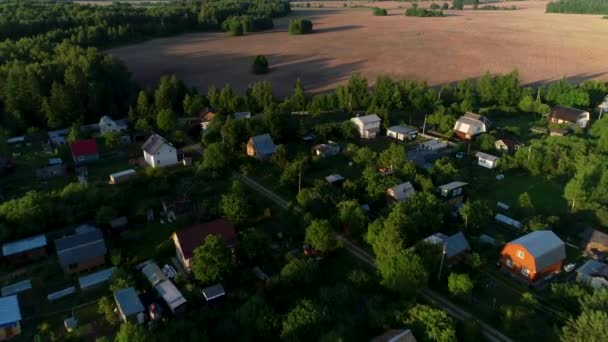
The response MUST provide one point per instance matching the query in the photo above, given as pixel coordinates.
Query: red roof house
(187, 240)
(84, 151)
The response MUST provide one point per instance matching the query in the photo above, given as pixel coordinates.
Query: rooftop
(128, 301)
(154, 143)
(84, 147)
(9, 310)
(486, 156)
(74, 248)
(367, 119)
(566, 113)
(263, 144)
(402, 129)
(24, 245)
(153, 273)
(544, 246)
(16, 288)
(402, 191)
(96, 278)
(213, 292)
(194, 236)
(453, 185)
(594, 268)
(170, 294)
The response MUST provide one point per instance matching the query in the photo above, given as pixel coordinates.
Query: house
(206, 116)
(507, 145)
(368, 126)
(214, 293)
(85, 151)
(335, 180)
(593, 274)
(534, 256)
(10, 317)
(395, 335)
(327, 150)
(401, 192)
(570, 116)
(158, 152)
(82, 251)
(402, 133)
(241, 115)
(122, 176)
(455, 246)
(595, 244)
(453, 192)
(471, 125)
(107, 125)
(261, 146)
(24, 250)
(187, 240)
(54, 168)
(486, 160)
(129, 305)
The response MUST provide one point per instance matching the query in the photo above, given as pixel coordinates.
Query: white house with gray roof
(158, 152)
(368, 126)
(402, 132)
(470, 125)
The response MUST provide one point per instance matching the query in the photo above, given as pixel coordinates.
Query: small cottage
(401, 192)
(595, 244)
(10, 317)
(122, 176)
(25, 250)
(85, 151)
(107, 125)
(158, 152)
(471, 125)
(214, 294)
(335, 180)
(129, 305)
(455, 246)
(507, 145)
(570, 116)
(534, 256)
(327, 150)
(486, 160)
(187, 240)
(453, 192)
(368, 126)
(593, 274)
(261, 147)
(82, 251)
(402, 133)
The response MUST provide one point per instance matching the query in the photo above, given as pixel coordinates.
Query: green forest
(52, 73)
(578, 6)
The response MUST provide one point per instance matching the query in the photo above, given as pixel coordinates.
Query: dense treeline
(52, 75)
(578, 6)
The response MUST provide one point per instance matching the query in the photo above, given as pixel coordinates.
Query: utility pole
(529, 151)
(300, 180)
(441, 264)
(424, 125)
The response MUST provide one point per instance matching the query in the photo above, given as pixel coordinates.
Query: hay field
(464, 44)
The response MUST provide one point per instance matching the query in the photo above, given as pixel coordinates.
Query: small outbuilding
(335, 179)
(402, 133)
(25, 250)
(507, 145)
(471, 125)
(455, 246)
(595, 244)
(327, 150)
(453, 192)
(122, 176)
(214, 294)
(10, 317)
(108, 125)
(368, 126)
(261, 147)
(593, 274)
(401, 192)
(85, 151)
(241, 115)
(129, 305)
(486, 160)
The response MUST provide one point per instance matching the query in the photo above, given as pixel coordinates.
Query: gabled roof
(452, 185)
(194, 236)
(456, 244)
(128, 301)
(154, 143)
(594, 268)
(16, 288)
(84, 147)
(207, 114)
(594, 236)
(9, 310)
(544, 246)
(472, 124)
(79, 247)
(24, 245)
(566, 113)
(486, 156)
(402, 129)
(367, 119)
(263, 144)
(402, 191)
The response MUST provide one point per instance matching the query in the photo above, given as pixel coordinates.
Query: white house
(401, 192)
(402, 133)
(486, 160)
(106, 125)
(158, 152)
(470, 125)
(368, 126)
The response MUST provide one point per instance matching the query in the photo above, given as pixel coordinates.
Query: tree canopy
(212, 261)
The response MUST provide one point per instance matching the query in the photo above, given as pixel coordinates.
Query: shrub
(234, 26)
(379, 11)
(300, 26)
(260, 65)
(422, 12)
(434, 6)
(445, 6)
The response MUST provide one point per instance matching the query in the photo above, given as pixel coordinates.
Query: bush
(445, 6)
(300, 26)
(260, 65)
(422, 12)
(434, 6)
(379, 11)
(234, 26)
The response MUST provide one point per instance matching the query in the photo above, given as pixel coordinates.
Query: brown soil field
(464, 44)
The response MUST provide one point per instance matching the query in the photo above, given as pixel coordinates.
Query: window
(509, 263)
(457, 191)
(444, 192)
(80, 158)
(525, 272)
(520, 254)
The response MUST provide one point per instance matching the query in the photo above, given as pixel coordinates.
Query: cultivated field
(463, 44)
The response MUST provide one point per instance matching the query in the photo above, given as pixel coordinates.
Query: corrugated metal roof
(96, 278)
(153, 273)
(544, 246)
(9, 310)
(452, 185)
(402, 129)
(213, 292)
(263, 144)
(24, 245)
(78, 247)
(456, 244)
(170, 294)
(16, 288)
(241, 115)
(128, 301)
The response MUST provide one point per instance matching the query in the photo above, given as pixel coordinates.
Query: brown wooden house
(82, 251)
(187, 240)
(595, 244)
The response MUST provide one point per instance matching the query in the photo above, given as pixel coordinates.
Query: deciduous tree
(212, 261)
